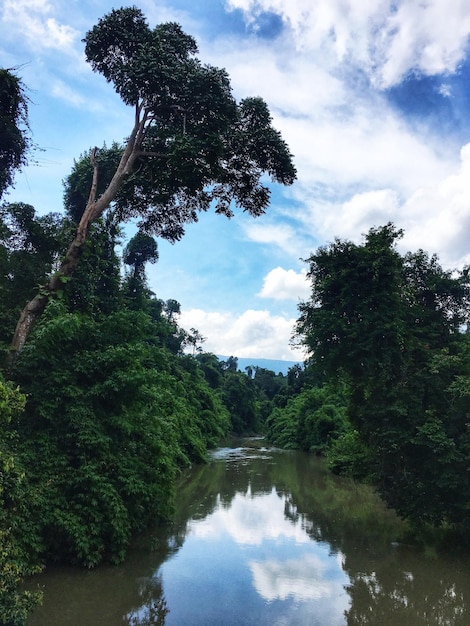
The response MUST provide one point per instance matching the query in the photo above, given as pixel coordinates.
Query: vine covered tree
(191, 145)
(388, 328)
(14, 129)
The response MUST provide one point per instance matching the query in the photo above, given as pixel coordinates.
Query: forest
(104, 397)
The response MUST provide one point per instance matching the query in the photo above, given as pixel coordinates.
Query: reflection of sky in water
(303, 578)
(249, 564)
(250, 521)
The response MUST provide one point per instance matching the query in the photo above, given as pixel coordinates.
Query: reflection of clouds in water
(286, 564)
(303, 579)
(251, 520)
(310, 573)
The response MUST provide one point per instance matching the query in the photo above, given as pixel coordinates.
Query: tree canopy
(389, 329)
(14, 130)
(191, 145)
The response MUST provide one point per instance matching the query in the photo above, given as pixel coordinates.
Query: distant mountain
(276, 366)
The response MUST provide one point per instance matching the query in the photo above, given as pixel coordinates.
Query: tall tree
(140, 250)
(390, 328)
(190, 144)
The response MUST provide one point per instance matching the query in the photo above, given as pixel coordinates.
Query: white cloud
(445, 90)
(281, 235)
(254, 334)
(355, 216)
(436, 217)
(34, 19)
(386, 40)
(342, 134)
(281, 284)
(369, 147)
(68, 94)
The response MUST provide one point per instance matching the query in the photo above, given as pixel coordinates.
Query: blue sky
(372, 96)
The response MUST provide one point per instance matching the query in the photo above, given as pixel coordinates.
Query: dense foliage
(111, 407)
(14, 130)
(104, 439)
(390, 358)
(15, 562)
(310, 420)
(190, 147)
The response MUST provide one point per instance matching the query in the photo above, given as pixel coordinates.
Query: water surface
(266, 537)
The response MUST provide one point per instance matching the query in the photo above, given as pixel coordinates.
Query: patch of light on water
(222, 454)
(252, 450)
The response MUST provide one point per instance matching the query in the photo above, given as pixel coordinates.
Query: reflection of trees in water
(400, 591)
(388, 585)
(154, 608)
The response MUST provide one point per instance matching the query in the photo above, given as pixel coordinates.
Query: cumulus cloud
(280, 235)
(281, 284)
(353, 217)
(38, 26)
(387, 40)
(344, 136)
(370, 146)
(254, 334)
(436, 217)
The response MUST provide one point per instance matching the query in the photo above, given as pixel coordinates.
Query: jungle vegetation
(100, 406)
(104, 397)
(386, 389)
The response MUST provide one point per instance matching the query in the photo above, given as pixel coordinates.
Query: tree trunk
(93, 211)
(33, 309)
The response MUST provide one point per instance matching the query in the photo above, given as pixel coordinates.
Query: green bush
(111, 417)
(15, 605)
(309, 421)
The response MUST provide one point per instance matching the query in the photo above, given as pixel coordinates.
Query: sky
(372, 97)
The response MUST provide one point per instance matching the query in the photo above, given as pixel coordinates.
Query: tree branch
(94, 183)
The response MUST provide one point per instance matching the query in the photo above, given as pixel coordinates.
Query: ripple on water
(240, 453)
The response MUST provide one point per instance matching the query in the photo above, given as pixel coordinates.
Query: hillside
(277, 366)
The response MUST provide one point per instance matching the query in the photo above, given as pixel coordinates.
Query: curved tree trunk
(94, 210)
(36, 306)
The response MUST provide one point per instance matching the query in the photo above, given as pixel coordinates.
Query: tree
(389, 328)
(30, 247)
(14, 130)
(239, 396)
(356, 294)
(212, 369)
(140, 250)
(268, 382)
(194, 339)
(190, 145)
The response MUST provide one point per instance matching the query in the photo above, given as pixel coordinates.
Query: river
(266, 537)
